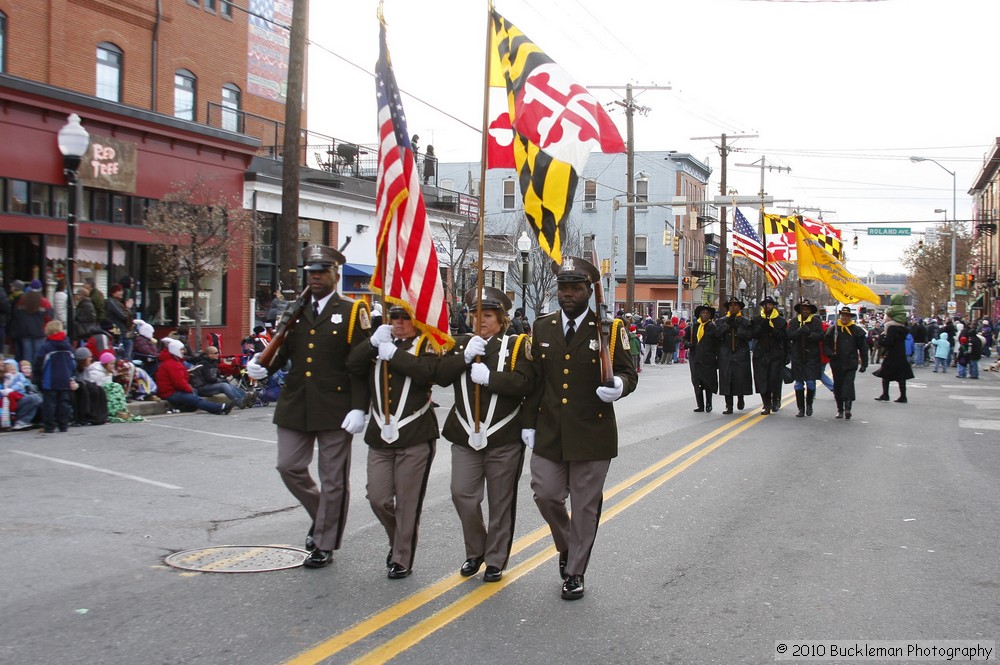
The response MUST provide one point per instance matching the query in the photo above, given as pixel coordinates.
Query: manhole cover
(238, 558)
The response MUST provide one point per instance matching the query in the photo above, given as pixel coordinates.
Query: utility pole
(762, 162)
(724, 150)
(291, 151)
(630, 108)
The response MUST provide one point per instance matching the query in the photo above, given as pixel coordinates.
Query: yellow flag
(816, 263)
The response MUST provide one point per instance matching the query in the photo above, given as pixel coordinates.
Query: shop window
(39, 199)
(171, 303)
(109, 72)
(100, 210)
(231, 105)
(119, 209)
(185, 88)
(18, 197)
(3, 42)
(141, 208)
(60, 202)
(3, 195)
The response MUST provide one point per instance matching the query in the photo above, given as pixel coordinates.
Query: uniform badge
(624, 337)
(527, 351)
(337, 318)
(366, 323)
(593, 345)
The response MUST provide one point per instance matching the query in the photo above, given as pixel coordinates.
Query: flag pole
(482, 191)
(386, 410)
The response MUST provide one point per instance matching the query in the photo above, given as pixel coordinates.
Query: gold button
(309, 360)
(565, 371)
(567, 356)
(312, 332)
(311, 345)
(565, 401)
(334, 332)
(308, 374)
(338, 389)
(565, 386)
(600, 415)
(593, 361)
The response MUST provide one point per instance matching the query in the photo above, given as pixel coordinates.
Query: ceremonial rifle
(289, 318)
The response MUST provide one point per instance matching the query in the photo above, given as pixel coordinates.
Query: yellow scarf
(769, 319)
(701, 331)
(846, 329)
(806, 320)
(737, 313)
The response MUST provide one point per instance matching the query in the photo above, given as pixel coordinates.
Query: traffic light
(971, 280)
(855, 241)
(686, 281)
(960, 280)
(677, 243)
(920, 246)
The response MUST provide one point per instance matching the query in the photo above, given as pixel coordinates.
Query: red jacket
(171, 376)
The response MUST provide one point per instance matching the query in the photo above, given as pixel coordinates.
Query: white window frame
(509, 194)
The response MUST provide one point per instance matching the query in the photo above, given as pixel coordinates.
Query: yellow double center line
(407, 639)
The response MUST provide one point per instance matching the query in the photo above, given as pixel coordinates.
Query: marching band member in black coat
(702, 345)
(805, 333)
(733, 333)
(846, 345)
(770, 353)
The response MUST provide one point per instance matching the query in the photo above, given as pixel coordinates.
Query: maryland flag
(781, 242)
(815, 262)
(554, 124)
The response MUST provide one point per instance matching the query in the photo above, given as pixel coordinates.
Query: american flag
(746, 243)
(406, 271)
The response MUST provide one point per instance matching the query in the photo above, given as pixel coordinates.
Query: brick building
(181, 88)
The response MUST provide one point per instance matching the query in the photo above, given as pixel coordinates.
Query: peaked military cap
(321, 257)
(575, 269)
(493, 298)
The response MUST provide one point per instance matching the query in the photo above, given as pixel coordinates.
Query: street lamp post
(73, 141)
(954, 216)
(523, 246)
(743, 288)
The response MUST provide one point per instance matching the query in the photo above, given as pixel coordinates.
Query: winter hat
(106, 357)
(963, 340)
(83, 353)
(35, 285)
(144, 329)
(174, 346)
(11, 361)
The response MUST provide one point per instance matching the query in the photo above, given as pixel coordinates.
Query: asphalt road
(721, 536)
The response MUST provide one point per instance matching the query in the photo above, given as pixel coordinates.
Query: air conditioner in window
(590, 205)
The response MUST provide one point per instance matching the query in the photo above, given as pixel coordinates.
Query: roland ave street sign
(888, 231)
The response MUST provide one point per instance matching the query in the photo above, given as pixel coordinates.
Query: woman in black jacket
(895, 364)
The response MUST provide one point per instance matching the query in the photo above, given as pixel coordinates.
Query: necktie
(570, 330)
(315, 309)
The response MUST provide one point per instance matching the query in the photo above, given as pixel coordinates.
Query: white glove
(386, 350)
(354, 421)
(382, 334)
(611, 394)
(528, 436)
(475, 347)
(255, 370)
(479, 373)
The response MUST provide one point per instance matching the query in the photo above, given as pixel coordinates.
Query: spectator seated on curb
(90, 402)
(103, 374)
(173, 385)
(21, 398)
(207, 380)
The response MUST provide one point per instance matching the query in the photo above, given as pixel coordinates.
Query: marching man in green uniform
(569, 420)
(322, 403)
(400, 449)
(491, 455)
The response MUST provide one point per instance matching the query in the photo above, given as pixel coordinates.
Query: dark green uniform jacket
(319, 390)
(510, 383)
(415, 359)
(571, 422)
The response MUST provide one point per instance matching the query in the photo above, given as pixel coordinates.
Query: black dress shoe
(471, 566)
(397, 572)
(572, 588)
(728, 411)
(882, 398)
(700, 409)
(318, 559)
(310, 543)
(901, 400)
(740, 404)
(388, 559)
(563, 558)
(492, 574)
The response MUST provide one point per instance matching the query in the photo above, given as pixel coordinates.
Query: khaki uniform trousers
(581, 481)
(397, 482)
(327, 504)
(499, 469)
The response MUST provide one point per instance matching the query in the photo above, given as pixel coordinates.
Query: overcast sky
(843, 92)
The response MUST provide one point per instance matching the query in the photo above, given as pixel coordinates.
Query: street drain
(238, 558)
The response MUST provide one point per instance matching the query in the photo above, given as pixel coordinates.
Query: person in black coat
(770, 353)
(668, 343)
(846, 344)
(895, 364)
(805, 333)
(733, 332)
(702, 345)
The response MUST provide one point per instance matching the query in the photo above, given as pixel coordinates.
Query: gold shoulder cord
(615, 327)
(517, 346)
(354, 317)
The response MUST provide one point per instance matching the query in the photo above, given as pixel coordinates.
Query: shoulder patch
(623, 334)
